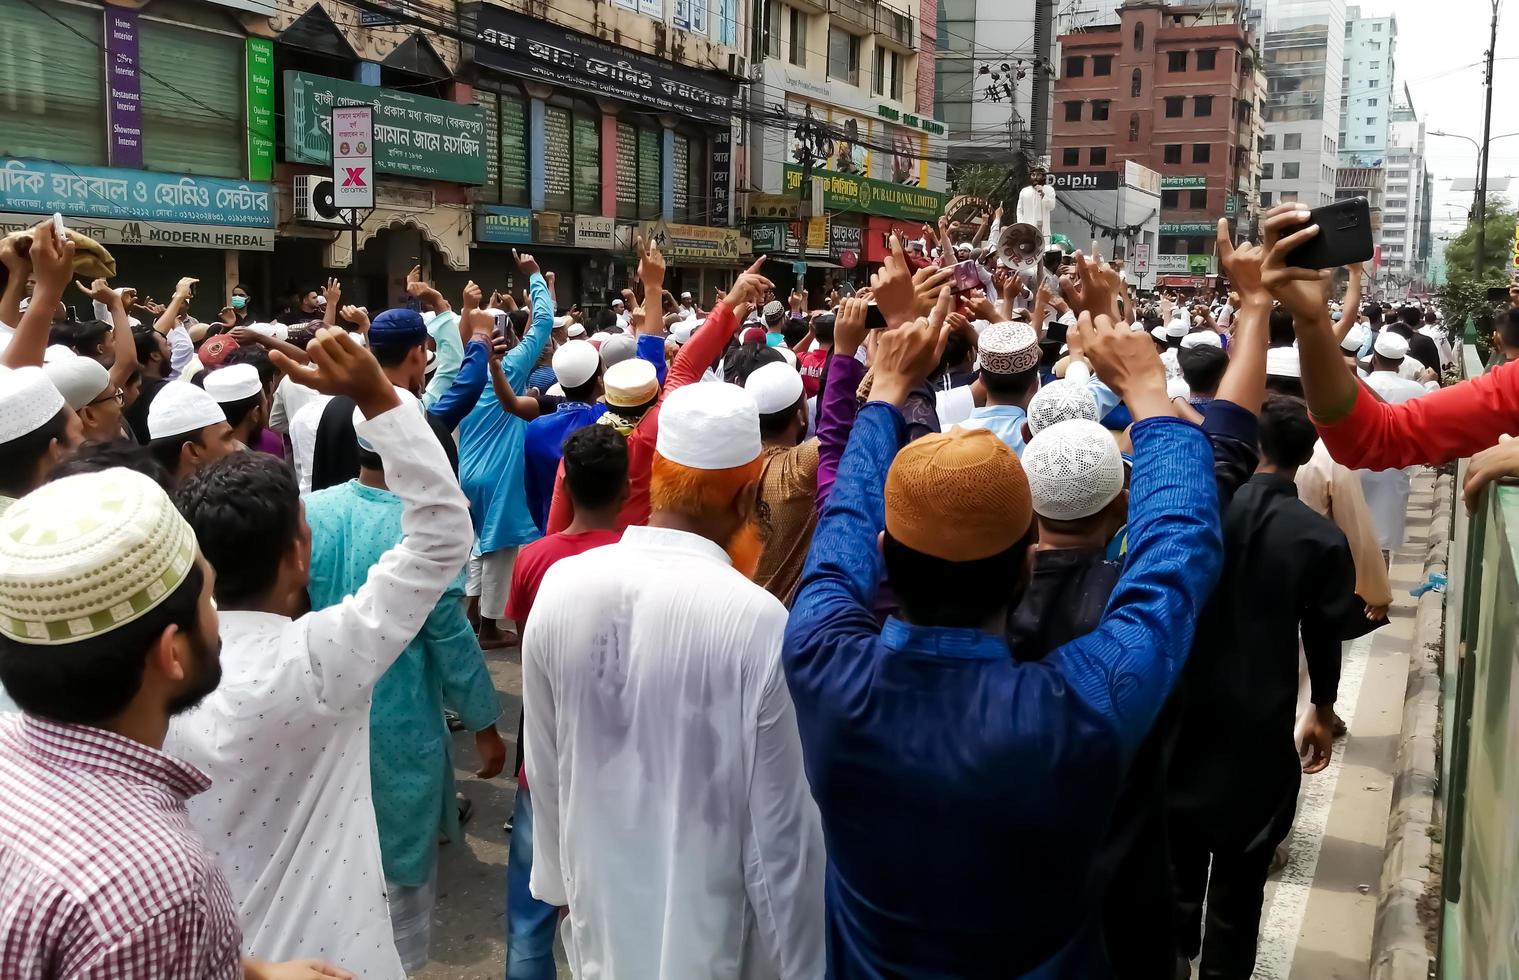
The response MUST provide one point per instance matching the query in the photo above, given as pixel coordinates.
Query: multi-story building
(1303, 49)
(1366, 88)
(993, 77)
(1174, 88)
(865, 72)
(1408, 206)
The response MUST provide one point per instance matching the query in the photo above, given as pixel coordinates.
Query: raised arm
(459, 398)
(18, 269)
(333, 294)
(52, 270)
(518, 362)
(1352, 307)
(248, 335)
(125, 364)
(1244, 380)
(837, 409)
(170, 315)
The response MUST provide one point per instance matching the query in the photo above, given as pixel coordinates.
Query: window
(888, 73)
(1370, 140)
(1207, 59)
(1268, 171)
(1266, 199)
(1289, 197)
(1176, 61)
(1170, 199)
(1070, 157)
(1202, 105)
(1202, 152)
(1290, 171)
(773, 29)
(1136, 82)
(1100, 110)
(195, 127)
(1133, 127)
(1098, 156)
(1139, 37)
(1073, 112)
(843, 56)
(1174, 106)
(53, 107)
(1172, 153)
(1292, 141)
(1198, 200)
(1377, 65)
(1268, 142)
(1371, 101)
(1377, 28)
(1102, 64)
(1075, 66)
(798, 25)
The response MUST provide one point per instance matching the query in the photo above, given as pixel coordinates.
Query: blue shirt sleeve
(651, 347)
(444, 331)
(460, 398)
(1106, 398)
(519, 361)
(1128, 665)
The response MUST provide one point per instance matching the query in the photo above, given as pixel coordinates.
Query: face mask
(238, 302)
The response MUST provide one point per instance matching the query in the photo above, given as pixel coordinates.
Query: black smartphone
(1344, 236)
(1052, 259)
(874, 318)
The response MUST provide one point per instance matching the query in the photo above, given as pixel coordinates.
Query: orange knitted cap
(959, 496)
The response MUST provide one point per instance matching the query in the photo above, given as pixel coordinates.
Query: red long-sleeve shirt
(694, 358)
(1443, 425)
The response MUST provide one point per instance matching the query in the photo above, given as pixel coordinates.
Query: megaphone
(1020, 245)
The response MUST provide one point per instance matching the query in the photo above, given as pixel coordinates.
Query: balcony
(876, 18)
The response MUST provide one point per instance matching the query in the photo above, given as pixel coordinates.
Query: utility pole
(1487, 129)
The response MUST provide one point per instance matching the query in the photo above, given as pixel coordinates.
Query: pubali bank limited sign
(862, 195)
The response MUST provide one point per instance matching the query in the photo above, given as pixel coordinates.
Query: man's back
(671, 812)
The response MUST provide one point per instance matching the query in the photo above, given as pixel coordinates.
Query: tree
(1460, 254)
(988, 181)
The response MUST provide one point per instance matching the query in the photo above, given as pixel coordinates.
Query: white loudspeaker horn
(1020, 245)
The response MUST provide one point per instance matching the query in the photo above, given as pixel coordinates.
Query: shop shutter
(192, 101)
(52, 82)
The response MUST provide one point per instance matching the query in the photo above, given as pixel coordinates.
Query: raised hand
(52, 264)
(893, 286)
(1126, 361)
(1100, 286)
(101, 292)
(1303, 292)
(339, 366)
(1243, 264)
(926, 284)
(333, 292)
(356, 315)
(185, 287)
(906, 355)
(526, 263)
(414, 284)
(651, 264)
(749, 286)
(849, 325)
(471, 300)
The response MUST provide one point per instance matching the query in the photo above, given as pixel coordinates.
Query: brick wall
(928, 33)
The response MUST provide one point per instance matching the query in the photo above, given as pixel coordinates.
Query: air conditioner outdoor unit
(738, 66)
(312, 196)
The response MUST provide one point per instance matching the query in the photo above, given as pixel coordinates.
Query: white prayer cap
(86, 554)
(58, 352)
(1178, 328)
(709, 427)
(1390, 346)
(28, 401)
(181, 407)
(1177, 387)
(617, 347)
(1202, 338)
(575, 363)
(1159, 333)
(788, 355)
(1074, 470)
(617, 301)
(1058, 401)
(1008, 348)
(774, 387)
(681, 330)
(233, 383)
(1282, 362)
(1137, 326)
(630, 383)
(80, 380)
(407, 399)
(575, 329)
(1354, 340)
(432, 364)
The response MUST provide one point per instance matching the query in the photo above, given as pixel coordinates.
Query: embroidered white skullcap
(58, 352)
(1008, 348)
(86, 554)
(181, 407)
(407, 399)
(630, 383)
(1354, 340)
(1282, 362)
(80, 380)
(233, 383)
(774, 387)
(1390, 345)
(575, 363)
(28, 401)
(1202, 338)
(575, 329)
(709, 427)
(1060, 400)
(1074, 470)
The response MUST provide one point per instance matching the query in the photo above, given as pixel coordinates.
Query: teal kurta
(491, 442)
(410, 769)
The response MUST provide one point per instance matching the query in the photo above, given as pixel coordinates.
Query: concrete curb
(1403, 945)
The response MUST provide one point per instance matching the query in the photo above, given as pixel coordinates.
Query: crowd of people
(923, 631)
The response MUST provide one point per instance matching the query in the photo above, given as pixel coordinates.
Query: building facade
(993, 77)
(1175, 89)
(1367, 88)
(1303, 51)
(1406, 244)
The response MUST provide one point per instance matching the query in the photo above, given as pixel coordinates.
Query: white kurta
(285, 737)
(1387, 490)
(671, 811)
(1035, 205)
(303, 426)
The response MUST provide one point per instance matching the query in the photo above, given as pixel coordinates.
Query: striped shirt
(101, 875)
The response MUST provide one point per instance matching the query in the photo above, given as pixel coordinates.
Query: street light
(1479, 191)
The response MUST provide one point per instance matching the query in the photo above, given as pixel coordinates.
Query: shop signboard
(259, 61)
(553, 228)
(593, 231)
(123, 104)
(1183, 183)
(862, 195)
(1141, 178)
(1171, 265)
(693, 244)
(721, 178)
(844, 238)
(415, 136)
(1142, 258)
(1085, 180)
(1200, 265)
(1188, 228)
(528, 47)
(817, 235)
(503, 225)
(40, 187)
(780, 207)
(134, 231)
(768, 238)
(353, 156)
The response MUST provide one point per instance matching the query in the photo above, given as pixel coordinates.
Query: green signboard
(1188, 228)
(843, 192)
(490, 105)
(769, 237)
(259, 59)
(1182, 183)
(650, 190)
(556, 160)
(414, 136)
(627, 170)
(1229, 204)
(682, 168)
(587, 165)
(513, 150)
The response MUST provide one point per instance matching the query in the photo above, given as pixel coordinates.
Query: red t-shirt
(811, 366)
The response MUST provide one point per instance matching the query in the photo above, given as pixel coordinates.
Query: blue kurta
(410, 770)
(544, 448)
(490, 442)
(1002, 774)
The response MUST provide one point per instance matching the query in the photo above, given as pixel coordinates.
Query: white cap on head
(1202, 338)
(774, 387)
(1354, 340)
(617, 301)
(575, 363)
(1282, 362)
(1178, 328)
(1060, 400)
(630, 383)
(618, 347)
(58, 352)
(681, 330)
(1390, 346)
(1177, 387)
(80, 380)
(28, 401)
(787, 355)
(233, 383)
(407, 399)
(1074, 470)
(1159, 333)
(575, 329)
(181, 407)
(711, 426)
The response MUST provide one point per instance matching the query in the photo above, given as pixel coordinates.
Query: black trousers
(1234, 887)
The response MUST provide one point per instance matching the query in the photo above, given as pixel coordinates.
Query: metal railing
(876, 18)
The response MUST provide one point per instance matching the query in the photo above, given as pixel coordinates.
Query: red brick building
(1174, 88)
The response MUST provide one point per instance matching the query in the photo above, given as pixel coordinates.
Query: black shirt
(137, 415)
(335, 455)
